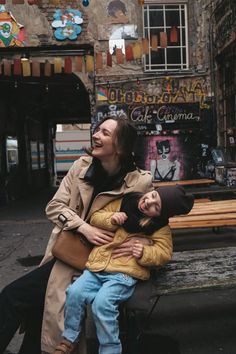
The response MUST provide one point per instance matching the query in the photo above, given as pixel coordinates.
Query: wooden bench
(186, 182)
(207, 214)
(189, 271)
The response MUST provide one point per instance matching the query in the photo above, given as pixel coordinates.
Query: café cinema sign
(166, 113)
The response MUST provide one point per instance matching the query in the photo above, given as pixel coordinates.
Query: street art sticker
(167, 158)
(11, 32)
(105, 111)
(67, 24)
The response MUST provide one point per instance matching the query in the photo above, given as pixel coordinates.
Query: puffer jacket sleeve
(58, 210)
(102, 218)
(161, 251)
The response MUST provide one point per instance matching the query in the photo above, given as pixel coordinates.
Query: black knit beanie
(174, 201)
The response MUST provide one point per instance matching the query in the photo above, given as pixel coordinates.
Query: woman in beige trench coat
(90, 184)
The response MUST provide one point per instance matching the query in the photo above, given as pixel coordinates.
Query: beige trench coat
(72, 201)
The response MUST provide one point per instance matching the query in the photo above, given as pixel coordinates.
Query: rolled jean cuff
(108, 349)
(72, 336)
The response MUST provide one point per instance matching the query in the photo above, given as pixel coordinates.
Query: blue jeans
(104, 291)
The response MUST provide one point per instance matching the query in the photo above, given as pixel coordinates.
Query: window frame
(183, 65)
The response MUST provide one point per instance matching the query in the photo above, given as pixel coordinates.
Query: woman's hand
(126, 248)
(95, 235)
(137, 249)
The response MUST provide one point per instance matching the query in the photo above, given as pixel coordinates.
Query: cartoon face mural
(67, 24)
(11, 32)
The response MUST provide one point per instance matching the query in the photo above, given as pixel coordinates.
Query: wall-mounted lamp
(24, 57)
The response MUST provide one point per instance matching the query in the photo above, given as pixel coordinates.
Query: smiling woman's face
(104, 140)
(150, 204)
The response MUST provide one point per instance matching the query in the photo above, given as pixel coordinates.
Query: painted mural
(117, 12)
(11, 32)
(67, 24)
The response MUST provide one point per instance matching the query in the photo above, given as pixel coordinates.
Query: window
(165, 27)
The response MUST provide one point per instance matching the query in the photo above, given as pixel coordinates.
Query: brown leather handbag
(72, 248)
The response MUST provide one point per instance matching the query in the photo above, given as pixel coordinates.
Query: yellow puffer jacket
(157, 253)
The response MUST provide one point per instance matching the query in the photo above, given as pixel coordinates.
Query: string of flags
(58, 65)
(88, 63)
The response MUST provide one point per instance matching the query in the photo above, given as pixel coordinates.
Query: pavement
(202, 323)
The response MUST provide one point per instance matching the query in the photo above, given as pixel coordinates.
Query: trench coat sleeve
(102, 218)
(161, 251)
(59, 204)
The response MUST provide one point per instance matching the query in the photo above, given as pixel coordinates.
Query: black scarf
(129, 205)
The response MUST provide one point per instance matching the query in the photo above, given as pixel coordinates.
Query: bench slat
(207, 214)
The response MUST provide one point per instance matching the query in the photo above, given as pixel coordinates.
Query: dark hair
(126, 135)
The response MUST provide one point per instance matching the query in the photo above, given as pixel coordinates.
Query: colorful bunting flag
(89, 64)
(173, 35)
(57, 66)
(145, 46)
(129, 53)
(109, 59)
(68, 65)
(17, 67)
(78, 63)
(137, 50)
(35, 68)
(163, 39)
(26, 69)
(7, 67)
(119, 56)
(154, 42)
(48, 68)
(98, 60)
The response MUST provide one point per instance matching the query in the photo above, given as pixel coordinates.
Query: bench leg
(135, 330)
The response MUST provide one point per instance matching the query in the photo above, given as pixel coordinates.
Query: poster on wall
(34, 155)
(167, 158)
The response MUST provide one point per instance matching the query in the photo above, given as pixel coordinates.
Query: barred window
(165, 27)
